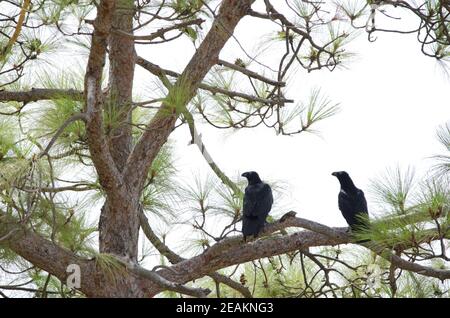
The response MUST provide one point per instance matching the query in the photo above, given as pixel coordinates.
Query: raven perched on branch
(258, 201)
(352, 202)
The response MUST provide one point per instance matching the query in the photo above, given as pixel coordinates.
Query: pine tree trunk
(118, 226)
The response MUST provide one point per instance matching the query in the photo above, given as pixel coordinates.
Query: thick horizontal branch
(175, 258)
(40, 252)
(231, 251)
(36, 94)
(95, 280)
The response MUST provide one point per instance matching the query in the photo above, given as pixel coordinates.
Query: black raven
(352, 202)
(258, 201)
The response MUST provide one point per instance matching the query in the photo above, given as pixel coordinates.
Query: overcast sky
(392, 99)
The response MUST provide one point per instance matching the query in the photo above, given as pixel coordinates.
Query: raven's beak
(245, 174)
(334, 174)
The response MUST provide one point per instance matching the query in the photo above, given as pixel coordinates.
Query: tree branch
(162, 31)
(251, 74)
(231, 251)
(36, 94)
(38, 251)
(75, 117)
(158, 71)
(17, 30)
(162, 282)
(54, 259)
(174, 258)
(162, 124)
(196, 138)
(108, 173)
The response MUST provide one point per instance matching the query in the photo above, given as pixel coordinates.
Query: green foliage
(411, 208)
(12, 172)
(318, 108)
(51, 285)
(413, 211)
(162, 189)
(7, 137)
(56, 10)
(110, 266)
(74, 234)
(190, 32)
(231, 204)
(416, 286)
(200, 193)
(186, 7)
(177, 98)
(434, 197)
(440, 47)
(307, 114)
(354, 9)
(45, 120)
(393, 189)
(7, 256)
(339, 38)
(442, 167)
(55, 115)
(264, 278)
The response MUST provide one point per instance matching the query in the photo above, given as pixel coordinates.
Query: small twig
(79, 116)
(162, 31)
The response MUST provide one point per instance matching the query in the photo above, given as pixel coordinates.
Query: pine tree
(86, 161)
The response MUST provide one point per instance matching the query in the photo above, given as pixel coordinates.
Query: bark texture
(119, 225)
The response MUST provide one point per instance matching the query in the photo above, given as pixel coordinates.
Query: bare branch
(162, 124)
(162, 31)
(251, 74)
(36, 94)
(196, 138)
(158, 71)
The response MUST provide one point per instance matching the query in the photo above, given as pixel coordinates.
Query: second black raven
(352, 202)
(258, 201)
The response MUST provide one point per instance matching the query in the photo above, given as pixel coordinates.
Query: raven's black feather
(352, 202)
(258, 201)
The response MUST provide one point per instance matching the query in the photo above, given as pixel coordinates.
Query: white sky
(392, 99)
